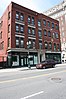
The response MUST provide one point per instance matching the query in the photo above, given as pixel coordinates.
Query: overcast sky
(36, 5)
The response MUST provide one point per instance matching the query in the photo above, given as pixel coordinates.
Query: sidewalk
(58, 65)
(16, 69)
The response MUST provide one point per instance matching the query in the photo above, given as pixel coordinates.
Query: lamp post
(28, 44)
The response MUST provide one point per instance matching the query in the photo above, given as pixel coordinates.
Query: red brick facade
(19, 25)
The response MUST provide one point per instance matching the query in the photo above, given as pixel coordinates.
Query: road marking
(32, 77)
(32, 95)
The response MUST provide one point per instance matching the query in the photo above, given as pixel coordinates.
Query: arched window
(54, 46)
(50, 46)
(46, 45)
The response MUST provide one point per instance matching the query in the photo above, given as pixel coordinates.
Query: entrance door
(23, 61)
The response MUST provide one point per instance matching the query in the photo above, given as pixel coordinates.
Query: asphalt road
(34, 84)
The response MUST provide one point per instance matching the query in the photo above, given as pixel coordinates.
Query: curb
(16, 69)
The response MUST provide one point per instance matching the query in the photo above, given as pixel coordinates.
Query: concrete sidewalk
(58, 65)
(16, 69)
(25, 68)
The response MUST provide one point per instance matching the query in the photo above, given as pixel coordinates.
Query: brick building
(58, 12)
(23, 32)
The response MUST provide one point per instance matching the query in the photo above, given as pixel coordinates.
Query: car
(46, 64)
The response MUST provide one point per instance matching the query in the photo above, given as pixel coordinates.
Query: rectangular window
(1, 35)
(29, 30)
(29, 44)
(22, 29)
(21, 17)
(33, 21)
(44, 21)
(17, 42)
(8, 42)
(33, 31)
(2, 45)
(39, 33)
(33, 44)
(40, 44)
(39, 23)
(17, 15)
(29, 19)
(48, 24)
(8, 28)
(57, 27)
(8, 15)
(17, 28)
(22, 43)
(52, 25)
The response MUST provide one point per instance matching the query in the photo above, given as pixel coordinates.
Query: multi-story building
(23, 32)
(59, 12)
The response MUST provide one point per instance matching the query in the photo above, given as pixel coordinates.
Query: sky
(36, 5)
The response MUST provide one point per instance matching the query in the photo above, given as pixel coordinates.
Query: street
(34, 84)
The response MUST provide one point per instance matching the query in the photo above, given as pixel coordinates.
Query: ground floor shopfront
(22, 58)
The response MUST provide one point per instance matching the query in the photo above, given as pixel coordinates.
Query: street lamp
(28, 45)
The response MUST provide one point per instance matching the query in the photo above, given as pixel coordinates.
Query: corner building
(23, 32)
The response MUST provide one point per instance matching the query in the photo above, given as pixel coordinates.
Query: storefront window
(35, 59)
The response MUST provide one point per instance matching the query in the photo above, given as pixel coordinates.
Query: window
(33, 21)
(52, 25)
(29, 19)
(29, 45)
(29, 30)
(53, 35)
(54, 46)
(17, 15)
(48, 24)
(1, 35)
(8, 15)
(17, 28)
(33, 31)
(1, 23)
(39, 23)
(33, 44)
(49, 33)
(40, 44)
(8, 28)
(17, 42)
(2, 45)
(22, 43)
(46, 45)
(45, 32)
(56, 35)
(63, 33)
(50, 46)
(21, 28)
(44, 21)
(21, 17)
(58, 47)
(57, 27)
(8, 42)
(39, 33)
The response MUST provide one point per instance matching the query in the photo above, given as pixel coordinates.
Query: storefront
(20, 59)
(55, 56)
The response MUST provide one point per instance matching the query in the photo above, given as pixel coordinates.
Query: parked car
(46, 64)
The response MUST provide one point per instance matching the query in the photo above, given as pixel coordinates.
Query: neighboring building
(20, 25)
(59, 12)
